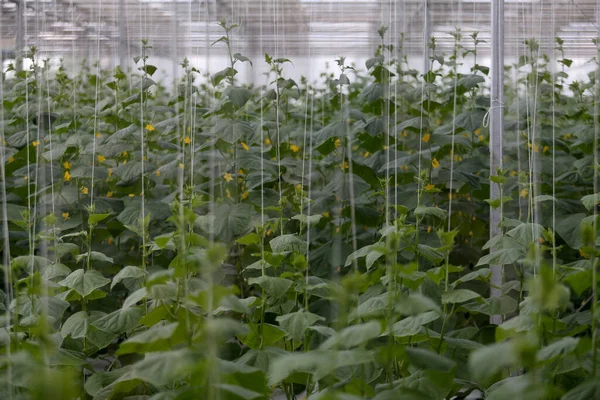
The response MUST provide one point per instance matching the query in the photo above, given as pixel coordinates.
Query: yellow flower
(546, 149)
(228, 193)
(67, 176)
(67, 165)
(295, 148)
(101, 158)
(11, 159)
(228, 177)
(98, 135)
(109, 194)
(245, 195)
(477, 132)
(435, 163)
(583, 254)
(470, 233)
(345, 165)
(367, 154)
(110, 240)
(426, 137)
(536, 148)
(124, 154)
(157, 173)
(298, 186)
(84, 190)
(65, 216)
(524, 193)
(26, 178)
(267, 141)
(187, 140)
(124, 161)
(245, 146)
(149, 127)
(35, 144)
(109, 171)
(429, 187)
(404, 133)
(325, 214)
(457, 158)
(131, 194)
(481, 137)
(513, 173)
(405, 168)
(429, 229)
(180, 165)
(240, 171)
(337, 143)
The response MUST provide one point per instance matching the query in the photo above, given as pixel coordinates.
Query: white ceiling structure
(178, 28)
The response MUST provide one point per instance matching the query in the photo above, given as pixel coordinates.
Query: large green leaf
(84, 282)
(274, 287)
(411, 326)
(296, 323)
(156, 338)
(232, 220)
(354, 335)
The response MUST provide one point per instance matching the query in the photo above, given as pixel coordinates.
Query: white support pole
(496, 134)
(426, 36)
(19, 35)
(174, 40)
(122, 37)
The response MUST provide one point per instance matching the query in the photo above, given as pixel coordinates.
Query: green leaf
(275, 287)
(239, 392)
(487, 361)
(120, 321)
(320, 363)
(411, 326)
(588, 390)
(459, 296)
(481, 273)
(94, 256)
(305, 219)
(93, 219)
(568, 229)
(156, 338)
(239, 57)
(239, 96)
(219, 76)
(501, 257)
(590, 201)
(266, 335)
(84, 283)
(76, 326)
(559, 348)
(354, 335)
(165, 368)
(129, 273)
(233, 220)
(289, 242)
(296, 323)
(430, 211)
(429, 360)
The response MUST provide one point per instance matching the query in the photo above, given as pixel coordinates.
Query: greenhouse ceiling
(285, 27)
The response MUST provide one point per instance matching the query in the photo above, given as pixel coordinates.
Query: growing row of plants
(329, 240)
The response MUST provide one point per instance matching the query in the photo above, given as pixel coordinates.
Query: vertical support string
(496, 135)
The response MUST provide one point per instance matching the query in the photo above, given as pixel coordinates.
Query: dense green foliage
(229, 242)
